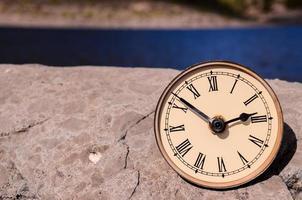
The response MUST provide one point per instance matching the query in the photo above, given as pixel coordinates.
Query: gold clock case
(230, 184)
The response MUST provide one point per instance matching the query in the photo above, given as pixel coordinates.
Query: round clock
(218, 124)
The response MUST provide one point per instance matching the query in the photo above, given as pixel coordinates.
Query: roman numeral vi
(221, 165)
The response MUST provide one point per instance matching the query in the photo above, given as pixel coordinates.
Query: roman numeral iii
(200, 161)
(193, 90)
(184, 147)
(213, 83)
(256, 140)
(221, 165)
(257, 119)
(177, 128)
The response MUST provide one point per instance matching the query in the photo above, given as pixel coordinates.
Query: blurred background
(265, 35)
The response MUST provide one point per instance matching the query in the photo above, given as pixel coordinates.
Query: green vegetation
(294, 3)
(239, 7)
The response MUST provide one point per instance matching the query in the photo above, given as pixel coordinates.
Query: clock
(218, 124)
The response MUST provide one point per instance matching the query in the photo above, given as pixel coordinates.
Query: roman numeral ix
(177, 128)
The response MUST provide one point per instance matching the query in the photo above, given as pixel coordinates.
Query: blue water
(273, 52)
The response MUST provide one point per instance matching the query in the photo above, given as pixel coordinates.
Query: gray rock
(87, 133)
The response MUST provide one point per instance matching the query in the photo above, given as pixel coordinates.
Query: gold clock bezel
(230, 184)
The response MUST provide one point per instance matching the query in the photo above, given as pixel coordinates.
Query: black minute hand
(194, 109)
(243, 117)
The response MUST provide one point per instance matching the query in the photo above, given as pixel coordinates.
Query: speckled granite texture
(87, 133)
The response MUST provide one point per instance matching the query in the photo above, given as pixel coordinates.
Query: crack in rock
(137, 184)
(125, 135)
(133, 125)
(29, 126)
(23, 129)
(126, 158)
(176, 192)
(19, 196)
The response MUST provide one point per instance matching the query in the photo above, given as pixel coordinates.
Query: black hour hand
(242, 117)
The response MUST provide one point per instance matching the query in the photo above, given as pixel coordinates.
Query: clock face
(218, 125)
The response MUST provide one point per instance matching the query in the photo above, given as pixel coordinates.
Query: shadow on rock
(286, 152)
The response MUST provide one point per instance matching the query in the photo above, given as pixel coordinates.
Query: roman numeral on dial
(256, 140)
(200, 161)
(242, 158)
(177, 128)
(221, 165)
(251, 99)
(193, 90)
(257, 119)
(184, 147)
(234, 86)
(181, 108)
(213, 83)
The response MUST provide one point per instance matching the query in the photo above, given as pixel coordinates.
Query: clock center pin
(217, 124)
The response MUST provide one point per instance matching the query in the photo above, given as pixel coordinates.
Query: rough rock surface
(87, 133)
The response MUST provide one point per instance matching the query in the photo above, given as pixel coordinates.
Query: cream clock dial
(218, 124)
